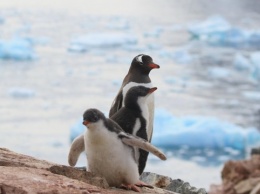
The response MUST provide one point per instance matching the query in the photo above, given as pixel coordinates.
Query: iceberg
(17, 49)
(217, 31)
(101, 40)
(201, 132)
(212, 25)
(194, 132)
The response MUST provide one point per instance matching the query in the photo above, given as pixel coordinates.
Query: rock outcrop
(21, 174)
(240, 177)
(176, 185)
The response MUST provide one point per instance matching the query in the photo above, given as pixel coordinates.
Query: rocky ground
(240, 177)
(21, 174)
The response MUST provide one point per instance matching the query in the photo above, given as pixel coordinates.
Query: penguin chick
(131, 118)
(138, 75)
(110, 151)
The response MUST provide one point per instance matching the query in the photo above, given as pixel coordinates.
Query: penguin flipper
(131, 140)
(76, 148)
(117, 103)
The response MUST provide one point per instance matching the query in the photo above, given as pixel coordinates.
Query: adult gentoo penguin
(137, 75)
(110, 150)
(131, 118)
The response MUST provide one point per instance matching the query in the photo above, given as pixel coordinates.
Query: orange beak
(152, 90)
(154, 66)
(85, 123)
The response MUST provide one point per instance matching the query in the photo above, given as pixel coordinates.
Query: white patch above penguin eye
(139, 59)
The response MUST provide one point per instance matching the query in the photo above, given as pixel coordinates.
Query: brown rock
(21, 174)
(216, 189)
(246, 185)
(241, 177)
(33, 180)
(256, 189)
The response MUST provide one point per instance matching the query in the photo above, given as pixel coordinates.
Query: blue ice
(194, 132)
(216, 30)
(249, 64)
(242, 63)
(101, 40)
(218, 72)
(17, 49)
(200, 132)
(255, 58)
(212, 25)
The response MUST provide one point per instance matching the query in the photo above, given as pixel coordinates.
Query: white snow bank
(101, 40)
(17, 49)
(194, 132)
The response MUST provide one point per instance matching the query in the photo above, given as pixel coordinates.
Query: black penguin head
(140, 91)
(144, 63)
(92, 116)
(136, 92)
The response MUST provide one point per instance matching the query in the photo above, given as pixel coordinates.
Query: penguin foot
(131, 187)
(143, 184)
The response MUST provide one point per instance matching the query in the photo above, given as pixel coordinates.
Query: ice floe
(201, 132)
(194, 132)
(20, 92)
(17, 49)
(101, 41)
(216, 30)
(250, 64)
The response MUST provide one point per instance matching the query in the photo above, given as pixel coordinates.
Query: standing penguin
(138, 75)
(110, 150)
(131, 118)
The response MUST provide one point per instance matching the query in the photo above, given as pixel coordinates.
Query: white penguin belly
(147, 106)
(108, 157)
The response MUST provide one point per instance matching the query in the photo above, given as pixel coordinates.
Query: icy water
(41, 98)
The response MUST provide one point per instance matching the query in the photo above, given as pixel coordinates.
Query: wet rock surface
(240, 177)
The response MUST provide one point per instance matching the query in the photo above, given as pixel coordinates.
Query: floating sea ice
(255, 58)
(201, 132)
(217, 31)
(194, 132)
(252, 95)
(155, 33)
(17, 49)
(241, 63)
(218, 72)
(18, 92)
(254, 39)
(101, 41)
(212, 25)
(182, 57)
